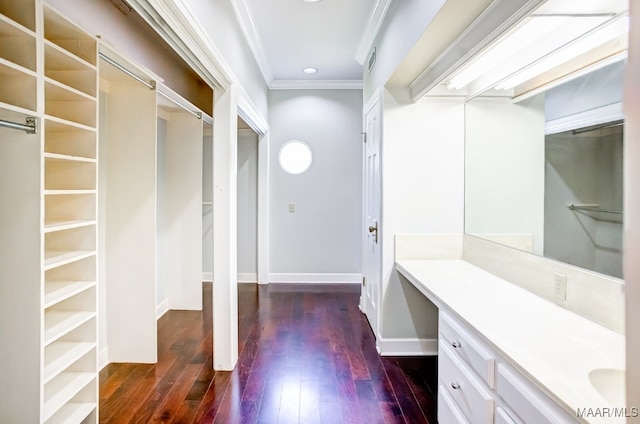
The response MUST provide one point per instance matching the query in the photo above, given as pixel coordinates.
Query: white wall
(207, 207)
(323, 236)
(423, 193)
(218, 19)
(632, 208)
(247, 205)
(504, 192)
(406, 20)
(161, 215)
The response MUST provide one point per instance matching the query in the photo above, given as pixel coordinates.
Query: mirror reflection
(545, 174)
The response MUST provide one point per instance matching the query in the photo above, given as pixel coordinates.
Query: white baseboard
(407, 347)
(162, 308)
(103, 358)
(247, 277)
(316, 278)
(243, 277)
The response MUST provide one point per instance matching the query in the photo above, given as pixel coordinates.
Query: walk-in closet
(101, 174)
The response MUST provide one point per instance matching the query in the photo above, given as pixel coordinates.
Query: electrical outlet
(292, 207)
(560, 286)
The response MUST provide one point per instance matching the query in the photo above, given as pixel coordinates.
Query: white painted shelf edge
(72, 412)
(54, 259)
(16, 25)
(60, 355)
(57, 291)
(17, 68)
(59, 323)
(53, 226)
(61, 157)
(64, 388)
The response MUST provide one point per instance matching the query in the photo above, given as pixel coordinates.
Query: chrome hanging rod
(150, 84)
(31, 126)
(180, 105)
(593, 208)
(598, 127)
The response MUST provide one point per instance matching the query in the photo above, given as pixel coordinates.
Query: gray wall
(600, 88)
(247, 205)
(584, 169)
(324, 234)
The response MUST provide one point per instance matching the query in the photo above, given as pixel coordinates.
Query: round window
(295, 157)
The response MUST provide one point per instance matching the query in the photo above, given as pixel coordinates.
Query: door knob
(372, 229)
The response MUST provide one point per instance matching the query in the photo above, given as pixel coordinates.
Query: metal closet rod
(31, 126)
(150, 84)
(166, 96)
(593, 208)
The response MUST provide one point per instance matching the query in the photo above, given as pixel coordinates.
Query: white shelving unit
(48, 218)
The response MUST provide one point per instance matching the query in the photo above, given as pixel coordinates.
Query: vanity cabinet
(477, 385)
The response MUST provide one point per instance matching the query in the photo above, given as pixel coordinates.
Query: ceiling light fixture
(541, 43)
(311, 1)
(604, 33)
(310, 70)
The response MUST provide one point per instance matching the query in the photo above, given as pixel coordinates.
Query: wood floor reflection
(307, 355)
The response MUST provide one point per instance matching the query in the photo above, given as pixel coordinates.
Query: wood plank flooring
(307, 355)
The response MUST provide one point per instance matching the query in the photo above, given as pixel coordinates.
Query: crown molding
(250, 30)
(175, 23)
(374, 23)
(316, 85)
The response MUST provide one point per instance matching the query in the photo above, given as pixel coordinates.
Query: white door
(370, 296)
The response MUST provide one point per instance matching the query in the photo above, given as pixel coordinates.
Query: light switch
(292, 207)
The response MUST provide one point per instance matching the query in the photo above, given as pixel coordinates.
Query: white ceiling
(289, 35)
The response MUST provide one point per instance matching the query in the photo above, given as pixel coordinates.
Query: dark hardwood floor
(307, 355)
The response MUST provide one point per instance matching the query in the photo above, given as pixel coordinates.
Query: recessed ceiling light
(310, 70)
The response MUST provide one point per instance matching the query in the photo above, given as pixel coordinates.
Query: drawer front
(467, 348)
(502, 417)
(527, 404)
(466, 390)
(448, 412)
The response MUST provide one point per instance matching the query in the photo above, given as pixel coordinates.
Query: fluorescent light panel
(540, 43)
(610, 31)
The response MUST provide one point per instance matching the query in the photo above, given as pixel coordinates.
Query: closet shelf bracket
(30, 125)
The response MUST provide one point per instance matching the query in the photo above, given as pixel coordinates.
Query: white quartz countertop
(557, 349)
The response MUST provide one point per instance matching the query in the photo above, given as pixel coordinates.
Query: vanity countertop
(557, 349)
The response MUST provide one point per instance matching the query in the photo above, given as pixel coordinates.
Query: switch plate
(560, 286)
(292, 207)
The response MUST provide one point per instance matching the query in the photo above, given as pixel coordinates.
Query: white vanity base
(517, 357)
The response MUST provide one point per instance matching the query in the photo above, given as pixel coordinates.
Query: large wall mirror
(545, 174)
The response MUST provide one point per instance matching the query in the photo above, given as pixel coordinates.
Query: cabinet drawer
(525, 401)
(465, 389)
(448, 412)
(502, 417)
(467, 348)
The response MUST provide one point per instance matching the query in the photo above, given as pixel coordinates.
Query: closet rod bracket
(30, 126)
(32, 122)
